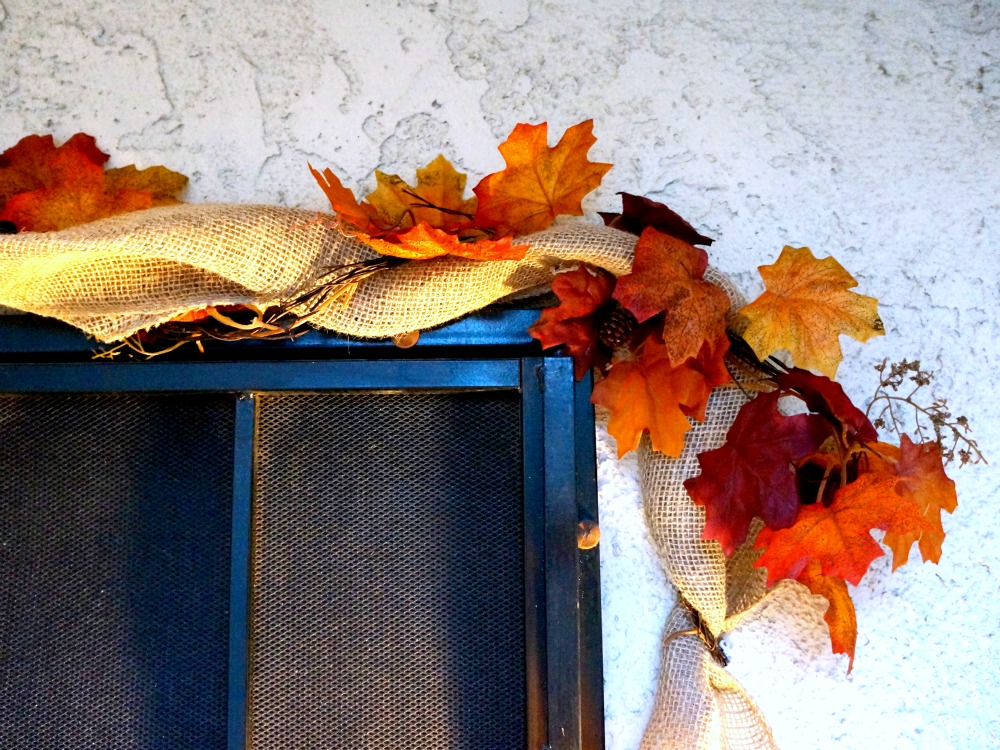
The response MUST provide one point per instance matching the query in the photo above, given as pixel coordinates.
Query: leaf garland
(821, 480)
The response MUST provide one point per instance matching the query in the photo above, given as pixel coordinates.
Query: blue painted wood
(30, 335)
(591, 650)
(562, 624)
(533, 426)
(256, 376)
(239, 575)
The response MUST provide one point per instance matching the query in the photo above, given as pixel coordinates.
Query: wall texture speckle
(867, 130)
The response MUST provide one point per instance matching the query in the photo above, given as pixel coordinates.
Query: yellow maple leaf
(437, 199)
(806, 307)
(161, 183)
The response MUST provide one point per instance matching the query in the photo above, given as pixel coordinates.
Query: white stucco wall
(866, 130)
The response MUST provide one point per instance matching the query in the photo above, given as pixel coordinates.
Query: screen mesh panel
(388, 593)
(114, 571)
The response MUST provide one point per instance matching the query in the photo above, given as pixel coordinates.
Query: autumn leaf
(161, 183)
(667, 275)
(539, 182)
(753, 473)
(827, 398)
(342, 200)
(838, 536)
(805, 309)
(27, 165)
(648, 393)
(638, 213)
(581, 292)
(840, 616)
(408, 222)
(921, 479)
(423, 242)
(437, 199)
(68, 186)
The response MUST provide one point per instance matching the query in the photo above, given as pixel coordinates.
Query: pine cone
(616, 327)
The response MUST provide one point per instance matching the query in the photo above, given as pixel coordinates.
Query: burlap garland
(114, 277)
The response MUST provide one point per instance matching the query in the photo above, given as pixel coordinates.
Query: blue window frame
(488, 352)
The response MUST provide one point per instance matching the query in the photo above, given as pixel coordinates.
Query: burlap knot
(114, 277)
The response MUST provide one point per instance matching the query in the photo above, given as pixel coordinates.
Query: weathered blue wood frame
(562, 588)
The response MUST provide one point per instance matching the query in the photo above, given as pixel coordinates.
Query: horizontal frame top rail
(99, 377)
(30, 334)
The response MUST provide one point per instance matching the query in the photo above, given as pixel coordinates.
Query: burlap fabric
(114, 277)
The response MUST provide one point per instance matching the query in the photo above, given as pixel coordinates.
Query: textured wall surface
(866, 130)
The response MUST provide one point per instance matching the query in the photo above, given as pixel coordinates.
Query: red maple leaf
(581, 292)
(839, 536)
(753, 473)
(827, 398)
(639, 213)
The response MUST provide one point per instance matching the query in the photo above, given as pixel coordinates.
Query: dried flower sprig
(899, 384)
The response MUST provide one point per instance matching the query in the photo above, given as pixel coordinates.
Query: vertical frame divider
(561, 558)
(533, 431)
(591, 647)
(239, 575)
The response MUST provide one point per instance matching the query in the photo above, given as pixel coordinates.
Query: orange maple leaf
(648, 393)
(27, 165)
(539, 182)
(342, 201)
(840, 615)
(921, 479)
(416, 223)
(68, 186)
(838, 536)
(424, 241)
(667, 275)
(806, 307)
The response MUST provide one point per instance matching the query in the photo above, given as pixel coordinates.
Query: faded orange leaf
(922, 480)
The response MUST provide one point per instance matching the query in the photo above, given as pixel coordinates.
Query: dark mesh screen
(114, 571)
(388, 606)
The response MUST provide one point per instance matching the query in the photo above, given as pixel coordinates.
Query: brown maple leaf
(753, 473)
(648, 393)
(838, 536)
(581, 292)
(806, 307)
(921, 479)
(539, 182)
(639, 213)
(667, 276)
(161, 183)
